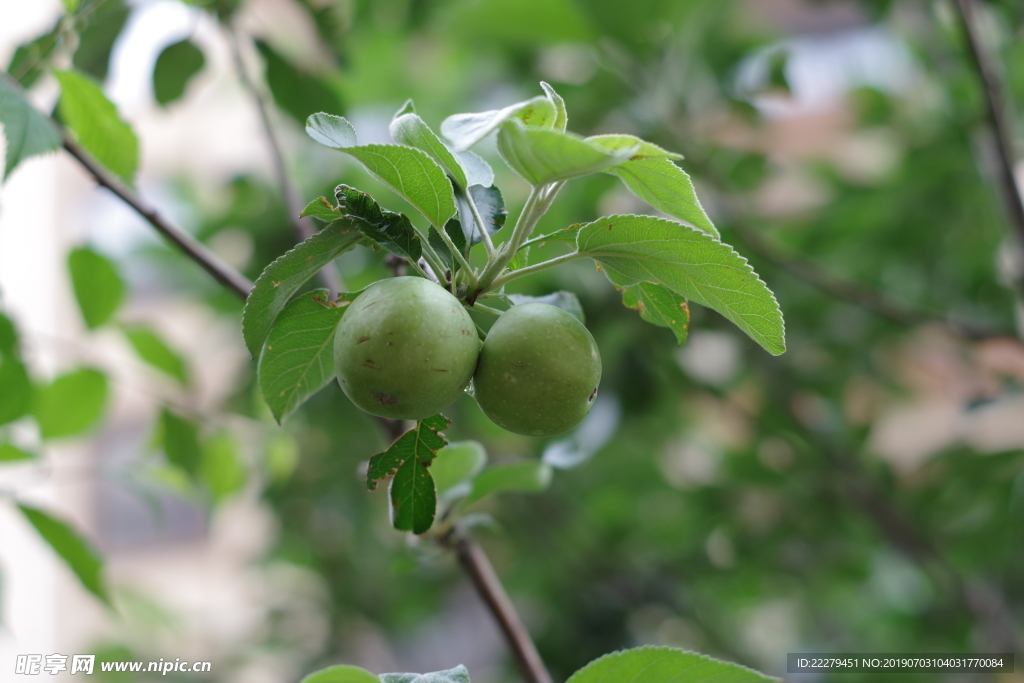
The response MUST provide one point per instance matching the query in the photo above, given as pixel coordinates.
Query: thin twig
(487, 584)
(303, 227)
(190, 246)
(996, 112)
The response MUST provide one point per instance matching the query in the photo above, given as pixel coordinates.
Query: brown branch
(190, 246)
(303, 227)
(487, 584)
(995, 110)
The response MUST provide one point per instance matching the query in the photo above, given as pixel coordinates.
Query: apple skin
(538, 372)
(405, 349)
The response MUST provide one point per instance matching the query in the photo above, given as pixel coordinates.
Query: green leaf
(532, 476)
(27, 132)
(72, 548)
(11, 453)
(282, 278)
(175, 66)
(664, 665)
(70, 5)
(458, 238)
(491, 207)
(94, 119)
(180, 440)
(299, 356)
(566, 235)
(561, 117)
(643, 149)
(659, 306)
(155, 351)
(341, 674)
(695, 265)
(322, 209)
(15, 388)
(221, 470)
(297, 92)
(72, 404)
(8, 337)
(391, 230)
(331, 131)
(413, 497)
(30, 59)
(465, 130)
(456, 675)
(457, 463)
(409, 129)
(667, 188)
(567, 301)
(98, 287)
(542, 156)
(96, 39)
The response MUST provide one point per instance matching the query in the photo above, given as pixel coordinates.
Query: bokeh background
(863, 492)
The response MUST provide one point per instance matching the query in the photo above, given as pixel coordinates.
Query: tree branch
(190, 246)
(303, 228)
(487, 584)
(995, 110)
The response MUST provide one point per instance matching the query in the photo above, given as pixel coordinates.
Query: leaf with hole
(97, 284)
(28, 132)
(96, 123)
(413, 495)
(77, 553)
(175, 67)
(542, 156)
(651, 664)
(298, 359)
(659, 306)
(693, 264)
(282, 278)
(72, 404)
(667, 188)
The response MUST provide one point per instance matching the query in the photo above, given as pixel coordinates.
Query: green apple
(538, 372)
(405, 349)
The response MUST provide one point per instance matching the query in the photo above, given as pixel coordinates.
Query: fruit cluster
(406, 348)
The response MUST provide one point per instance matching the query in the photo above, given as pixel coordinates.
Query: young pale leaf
(532, 476)
(695, 265)
(331, 131)
(567, 301)
(98, 287)
(341, 674)
(221, 470)
(413, 496)
(409, 129)
(155, 351)
(457, 463)
(407, 108)
(72, 548)
(667, 188)
(299, 356)
(95, 121)
(478, 171)
(11, 453)
(322, 209)
(664, 665)
(180, 439)
(457, 675)
(644, 149)
(542, 156)
(412, 174)
(561, 117)
(282, 278)
(391, 230)
(16, 390)
(175, 67)
(27, 132)
(297, 92)
(72, 404)
(659, 306)
(465, 130)
(491, 207)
